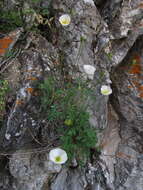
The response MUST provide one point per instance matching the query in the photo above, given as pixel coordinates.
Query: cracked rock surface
(107, 35)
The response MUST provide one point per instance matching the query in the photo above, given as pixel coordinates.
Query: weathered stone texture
(108, 36)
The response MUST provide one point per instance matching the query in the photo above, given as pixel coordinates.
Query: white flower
(58, 156)
(65, 19)
(106, 90)
(7, 136)
(89, 70)
(90, 2)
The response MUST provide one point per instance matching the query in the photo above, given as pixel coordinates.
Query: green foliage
(110, 55)
(28, 11)
(45, 12)
(78, 138)
(10, 20)
(35, 1)
(3, 91)
(64, 105)
(11, 53)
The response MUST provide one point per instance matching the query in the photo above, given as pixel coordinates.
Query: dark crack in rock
(128, 104)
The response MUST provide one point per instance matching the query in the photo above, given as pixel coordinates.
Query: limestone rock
(107, 35)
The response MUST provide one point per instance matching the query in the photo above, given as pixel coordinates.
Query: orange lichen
(19, 102)
(140, 88)
(4, 44)
(130, 86)
(30, 90)
(135, 69)
(2, 51)
(32, 78)
(136, 83)
(141, 95)
(140, 5)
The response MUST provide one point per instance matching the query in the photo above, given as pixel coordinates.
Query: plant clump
(3, 91)
(22, 15)
(64, 106)
(10, 20)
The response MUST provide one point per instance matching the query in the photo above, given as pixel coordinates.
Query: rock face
(107, 35)
(34, 170)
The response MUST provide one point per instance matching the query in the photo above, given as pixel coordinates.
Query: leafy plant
(79, 137)
(10, 20)
(3, 91)
(110, 55)
(64, 106)
(35, 1)
(11, 53)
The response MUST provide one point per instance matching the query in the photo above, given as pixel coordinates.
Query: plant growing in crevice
(18, 16)
(10, 19)
(3, 91)
(64, 106)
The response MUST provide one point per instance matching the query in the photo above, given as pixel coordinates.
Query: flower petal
(106, 90)
(89, 70)
(90, 2)
(58, 156)
(65, 20)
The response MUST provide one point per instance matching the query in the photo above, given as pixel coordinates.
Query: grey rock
(19, 119)
(67, 180)
(108, 37)
(31, 171)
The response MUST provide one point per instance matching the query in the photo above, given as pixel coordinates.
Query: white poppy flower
(7, 136)
(58, 156)
(106, 90)
(90, 2)
(89, 70)
(65, 20)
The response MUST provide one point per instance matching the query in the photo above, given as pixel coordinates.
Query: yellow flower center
(58, 159)
(105, 91)
(68, 122)
(65, 21)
